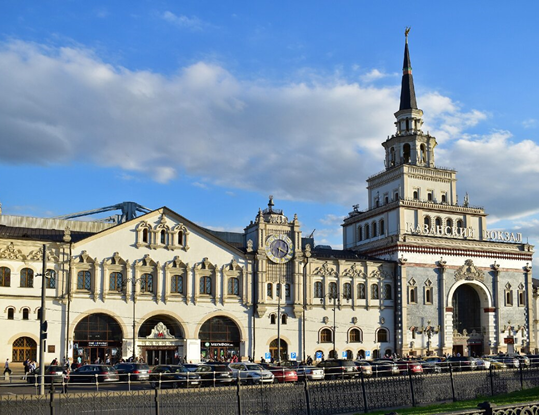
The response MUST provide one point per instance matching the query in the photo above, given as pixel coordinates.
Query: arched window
(459, 224)
(429, 196)
(5, 277)
(39, 314)
(367, 231)
(449, 223)
(375, 294)
(361, 291)
(50, 279)
(233, 286)
(382, 336)
(406, 150)
(146, 283)
(25, 314)
(84, 280)
(326, 336)
(287, 290)
(382, 227)
(333, 290)
(438, 222)
(278, 290)
(273, 319)
(374, 230)
(163, 237)
(205, 285)
(444, 198)
(354, 336)
(269, 290)
(347, 291)
(10, 313)
(359, 233)
(180, 238)
(392, 156)
(284, 319)
(318, 290)
(387, 292)
(27, 278)
(423, 151)
(145, 235)
(426, 221)
(416, 194)
(176, 284)
(116, 281)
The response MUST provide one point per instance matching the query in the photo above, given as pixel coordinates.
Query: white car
(251, 373)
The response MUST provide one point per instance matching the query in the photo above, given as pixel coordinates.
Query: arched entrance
(467, 309)
(219, 339)
(97, 336)
(274, 350)
(160, 340)
(24, 348)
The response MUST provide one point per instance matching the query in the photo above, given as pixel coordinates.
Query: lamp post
(429, 331)
(43, 322)
(279, 293)
(336, 297)
(122, 286)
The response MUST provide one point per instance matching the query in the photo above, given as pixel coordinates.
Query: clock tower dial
(279, 248)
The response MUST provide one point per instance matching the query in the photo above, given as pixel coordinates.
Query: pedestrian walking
(65, 379)
(7, 370)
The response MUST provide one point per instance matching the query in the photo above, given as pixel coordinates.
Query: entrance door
(458, 350)
(273, 348)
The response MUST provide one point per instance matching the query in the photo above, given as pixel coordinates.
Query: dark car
(213, 374)
(339, 368)
(409, 366)
(52, 373)
(459, 363)
(282, 373)
(174, 376)
(133, 371)
(384, 367)
(95, 373)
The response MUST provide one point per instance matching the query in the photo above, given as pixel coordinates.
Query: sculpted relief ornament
(9, 252)
(354, 271)
(469, 272)
(325, 270)
(160, 331)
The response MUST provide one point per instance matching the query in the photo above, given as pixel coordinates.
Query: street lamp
(336, 297)
(122, 286)
(429, 331)
(43, 322)
(279, 294)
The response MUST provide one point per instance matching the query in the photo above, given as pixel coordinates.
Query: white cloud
(317, 140)
(192, 23)
(529, 123)
(373, 75)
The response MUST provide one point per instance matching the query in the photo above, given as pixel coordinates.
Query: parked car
(481, 364)
(384, 367)
(133, 371)
(432, 364)
(94, 373)
(364, 368)
(523, 360)
(212, 374)
(251, 373)
(339, 368)
(412, 366)
(534, 360)
(52, 373)
(460, 363)
(306, 371)
(510, 361)
(282, 373)
(174, 376)
(495, 364)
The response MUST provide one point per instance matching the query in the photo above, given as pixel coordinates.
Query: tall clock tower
(278, 281)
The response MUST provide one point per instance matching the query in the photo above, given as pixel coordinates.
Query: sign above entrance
(464, 233)
(97, 344)
(222, 344)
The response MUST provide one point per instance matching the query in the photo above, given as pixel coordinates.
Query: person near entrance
(6, 368)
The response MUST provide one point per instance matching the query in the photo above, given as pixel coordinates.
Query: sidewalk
(15, 377)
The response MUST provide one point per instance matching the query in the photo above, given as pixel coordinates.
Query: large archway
(160, 340)
(219, 339)
(467, 324)
(24, 348)
(97, 336)
(274, 350)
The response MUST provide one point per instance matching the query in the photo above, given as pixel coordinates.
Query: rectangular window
(521, 298)
(428, 295)
(508, 298)
(412, 295)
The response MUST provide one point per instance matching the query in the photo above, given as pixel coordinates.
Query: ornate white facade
(419, 273)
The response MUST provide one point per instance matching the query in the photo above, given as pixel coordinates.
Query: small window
(50, 279)
(25, 314)
(180, 238)
(205, 285)
(39, 314)
(444, 198)
(233, 286)
(459, 223)
(333, 290)
(386, 199)
(163, 237)
(449, 223)
(27, 278)
(10, 313)
(269, 290)
(273, 319)
(438, 222)
(416, 194)
(374, 230)
(521, 298)
(388, 292)
(361, 291)
(382, 227)
(428, 295)
(145, 235)
(382, 336)
(367, 231)
(509, 298)
(396, 196)
(5, 277)
(354, 336)
(360, 233)
(375, 295)
(116, 282)
(284, 319)
(146, 283)
(318, 290)
(176, 285)
(426, 221)
(325, 336)
(278, 290)
(347, 291)
(287, 290)
(84, 280)
(412, 295)
(429, 196)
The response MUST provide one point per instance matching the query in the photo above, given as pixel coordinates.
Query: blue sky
(208, 107)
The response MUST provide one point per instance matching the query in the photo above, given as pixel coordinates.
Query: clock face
(279, 248)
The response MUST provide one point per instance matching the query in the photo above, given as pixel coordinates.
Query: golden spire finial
(406, 31)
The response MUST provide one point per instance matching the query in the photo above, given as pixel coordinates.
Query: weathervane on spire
(406, 31)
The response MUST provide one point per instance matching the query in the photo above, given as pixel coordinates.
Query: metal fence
(308, 397)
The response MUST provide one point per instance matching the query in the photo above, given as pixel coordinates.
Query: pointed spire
(408, 100)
